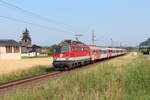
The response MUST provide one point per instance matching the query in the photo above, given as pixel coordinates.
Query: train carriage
(70, 54)
(95, 53)
(104, 53)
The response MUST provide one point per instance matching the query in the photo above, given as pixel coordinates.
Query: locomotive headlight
(59, 59)
(66, 58)
(62, 59)
(54, 59)
(70, 59)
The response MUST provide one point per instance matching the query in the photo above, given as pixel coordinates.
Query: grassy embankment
(37, 70)
(124, 78)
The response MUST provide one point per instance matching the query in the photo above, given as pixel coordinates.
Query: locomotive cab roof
(71, 43)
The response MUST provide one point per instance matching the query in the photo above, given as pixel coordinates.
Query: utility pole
(93, 37)
(120, 44)
(112, 42)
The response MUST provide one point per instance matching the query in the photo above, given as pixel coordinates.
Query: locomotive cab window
(63, 49)
(57, 49)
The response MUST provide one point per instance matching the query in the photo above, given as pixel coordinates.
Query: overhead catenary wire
(34, 14)
(26, 22)
(31, 13)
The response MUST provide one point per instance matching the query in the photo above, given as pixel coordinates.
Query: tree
(26, 35)
(146, 43)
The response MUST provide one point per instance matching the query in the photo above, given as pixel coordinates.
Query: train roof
(81, 44)
(104, 48)
(94, 47)
(71, 43)
(116, 48)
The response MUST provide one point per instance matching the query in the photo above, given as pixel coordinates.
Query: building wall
(9, 56)
(32, 54)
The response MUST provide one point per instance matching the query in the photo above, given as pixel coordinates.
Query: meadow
(17, 69)
(14, 66)
(123, 78)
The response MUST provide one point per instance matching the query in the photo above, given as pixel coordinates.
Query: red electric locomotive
(69, 54)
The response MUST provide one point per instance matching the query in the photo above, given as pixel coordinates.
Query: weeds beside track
(107, 81)
(122, 80)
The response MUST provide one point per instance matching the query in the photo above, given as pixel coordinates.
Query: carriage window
(82, 49)
(78, 49)
(86, 49)
(93, 52)
(104, 52)
(98, 52)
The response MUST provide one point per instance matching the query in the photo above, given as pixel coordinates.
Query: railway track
(32, 81)
(25, 80)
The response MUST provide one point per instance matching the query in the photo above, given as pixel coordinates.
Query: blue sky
(125, 21)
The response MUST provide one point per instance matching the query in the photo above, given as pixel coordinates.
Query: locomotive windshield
(61, 49)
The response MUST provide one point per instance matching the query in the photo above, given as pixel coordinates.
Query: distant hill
(145, 43)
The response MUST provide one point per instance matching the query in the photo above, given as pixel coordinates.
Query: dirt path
(148, 57)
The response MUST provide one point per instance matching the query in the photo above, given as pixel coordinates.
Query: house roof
(8, 43)
(36, 46)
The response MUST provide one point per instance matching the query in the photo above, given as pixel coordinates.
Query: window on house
(16, 49)
(8, 49)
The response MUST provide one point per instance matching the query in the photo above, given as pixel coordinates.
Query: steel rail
(28, 79)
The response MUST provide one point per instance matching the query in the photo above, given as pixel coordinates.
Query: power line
(39, 25)
(31, 13)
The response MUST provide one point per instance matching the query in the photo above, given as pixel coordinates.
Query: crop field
(10, 66)
(122, 78)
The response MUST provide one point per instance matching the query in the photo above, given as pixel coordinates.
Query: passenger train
(71, 54)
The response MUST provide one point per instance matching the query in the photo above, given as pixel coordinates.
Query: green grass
(137, 83)
(25, 73)
(104, 82)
